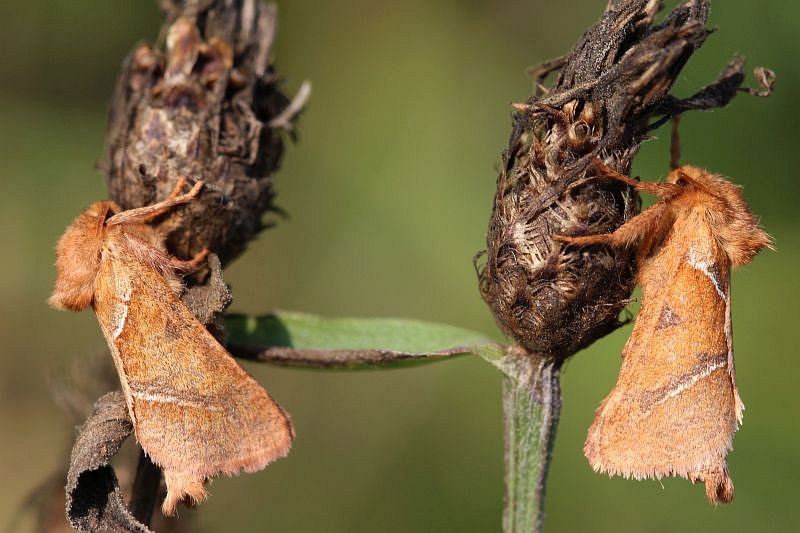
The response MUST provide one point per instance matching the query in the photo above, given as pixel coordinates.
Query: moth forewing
(195, 411)
(675, 406)
(673, 409)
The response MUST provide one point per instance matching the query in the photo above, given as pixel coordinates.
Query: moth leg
(141, 215)
(661, 190)
(586, 240)
(189, 265)
(639, 231)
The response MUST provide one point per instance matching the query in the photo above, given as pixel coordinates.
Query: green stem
(531, 405)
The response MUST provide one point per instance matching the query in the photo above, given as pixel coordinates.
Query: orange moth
(195, 411)
(675, 407)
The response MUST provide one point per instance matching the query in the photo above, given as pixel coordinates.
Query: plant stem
(145, 489)
(531, 405)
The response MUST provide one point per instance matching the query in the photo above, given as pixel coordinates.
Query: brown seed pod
(611, 91)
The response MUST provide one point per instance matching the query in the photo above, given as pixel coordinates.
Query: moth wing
(675, 406)
(196, 412)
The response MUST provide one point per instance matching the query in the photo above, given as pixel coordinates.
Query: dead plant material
(205, 108)
(94, 501)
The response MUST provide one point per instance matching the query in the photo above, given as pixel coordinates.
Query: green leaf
(299, 339)
(531, 397)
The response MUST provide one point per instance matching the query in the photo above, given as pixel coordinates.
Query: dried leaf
(94, 500)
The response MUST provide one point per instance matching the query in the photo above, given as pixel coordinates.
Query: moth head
(78, 257)
(735, 226)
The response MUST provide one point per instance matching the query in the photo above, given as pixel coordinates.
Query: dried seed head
(551, 300)
(201, 108)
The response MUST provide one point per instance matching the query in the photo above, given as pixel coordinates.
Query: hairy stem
(531, 405)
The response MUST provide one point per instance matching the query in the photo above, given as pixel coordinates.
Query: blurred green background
(389, 191)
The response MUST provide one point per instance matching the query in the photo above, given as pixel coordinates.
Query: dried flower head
(203, 108)
(548, 299)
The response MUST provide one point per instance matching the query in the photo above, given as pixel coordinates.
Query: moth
(195, 411)
(675, 407)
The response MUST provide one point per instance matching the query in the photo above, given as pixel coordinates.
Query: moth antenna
(661, 190)
(147, 213)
